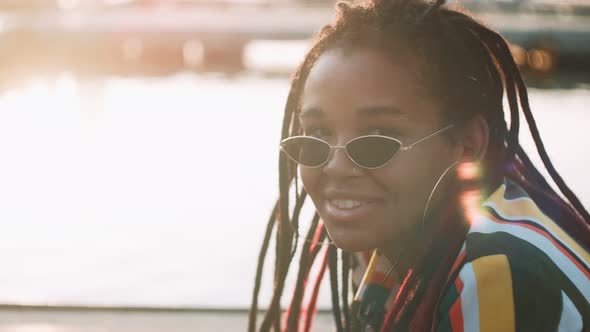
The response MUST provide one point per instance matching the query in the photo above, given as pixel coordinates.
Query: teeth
(346, 203)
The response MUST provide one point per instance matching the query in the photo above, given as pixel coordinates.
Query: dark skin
(361, 92)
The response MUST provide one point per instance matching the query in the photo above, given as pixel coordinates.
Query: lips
(342, 207)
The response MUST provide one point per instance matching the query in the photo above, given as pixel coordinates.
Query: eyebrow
(314, 112)
(311, 113)
(381, 110)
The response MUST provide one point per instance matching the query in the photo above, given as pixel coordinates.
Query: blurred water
(156, 191)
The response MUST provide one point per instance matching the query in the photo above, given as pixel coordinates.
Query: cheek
(402, 178)
(403, 192)
(311, 180)
(409, 182)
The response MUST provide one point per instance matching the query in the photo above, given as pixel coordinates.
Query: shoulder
(518, 271)
(510, 224)
(489, 293)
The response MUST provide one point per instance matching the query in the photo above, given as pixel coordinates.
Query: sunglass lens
(307, 151)
(372, 152)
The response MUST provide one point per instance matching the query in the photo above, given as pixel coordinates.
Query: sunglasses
(370, 151)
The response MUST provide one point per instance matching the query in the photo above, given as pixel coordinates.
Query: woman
(396, 128)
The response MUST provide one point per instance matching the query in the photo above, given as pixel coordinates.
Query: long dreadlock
(470, 68)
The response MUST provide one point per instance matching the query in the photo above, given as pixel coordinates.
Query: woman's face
(363, 92)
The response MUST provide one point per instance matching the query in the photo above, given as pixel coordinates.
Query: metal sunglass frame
(402, 147)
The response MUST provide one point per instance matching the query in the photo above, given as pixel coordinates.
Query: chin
(352, 243)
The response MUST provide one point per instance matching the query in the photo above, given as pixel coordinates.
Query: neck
(402, 254)
(412, 245)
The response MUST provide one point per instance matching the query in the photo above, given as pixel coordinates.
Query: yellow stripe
(526, 207)
(494, 292)
(368, 273)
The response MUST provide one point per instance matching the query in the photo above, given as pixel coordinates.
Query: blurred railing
(161, 37)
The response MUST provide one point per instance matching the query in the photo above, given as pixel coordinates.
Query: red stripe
(459, 285)
(456, 312)
(456, 316)
(544, 234)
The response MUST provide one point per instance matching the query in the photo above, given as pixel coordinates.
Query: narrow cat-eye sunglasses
(370, 151)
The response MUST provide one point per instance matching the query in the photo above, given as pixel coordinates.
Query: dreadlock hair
(469, 68)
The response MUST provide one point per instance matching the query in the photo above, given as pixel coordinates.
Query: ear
(475, 138)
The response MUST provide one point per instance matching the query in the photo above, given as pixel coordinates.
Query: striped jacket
(517, 271)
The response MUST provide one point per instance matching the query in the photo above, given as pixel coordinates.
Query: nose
(340, 165)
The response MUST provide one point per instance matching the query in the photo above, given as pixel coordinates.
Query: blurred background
(138, 149)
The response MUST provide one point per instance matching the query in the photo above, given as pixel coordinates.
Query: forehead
(341, 83)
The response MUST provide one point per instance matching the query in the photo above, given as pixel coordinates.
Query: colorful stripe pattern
(518, 271)
(376, 293)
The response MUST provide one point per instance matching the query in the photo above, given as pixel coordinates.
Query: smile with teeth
(347, 204)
